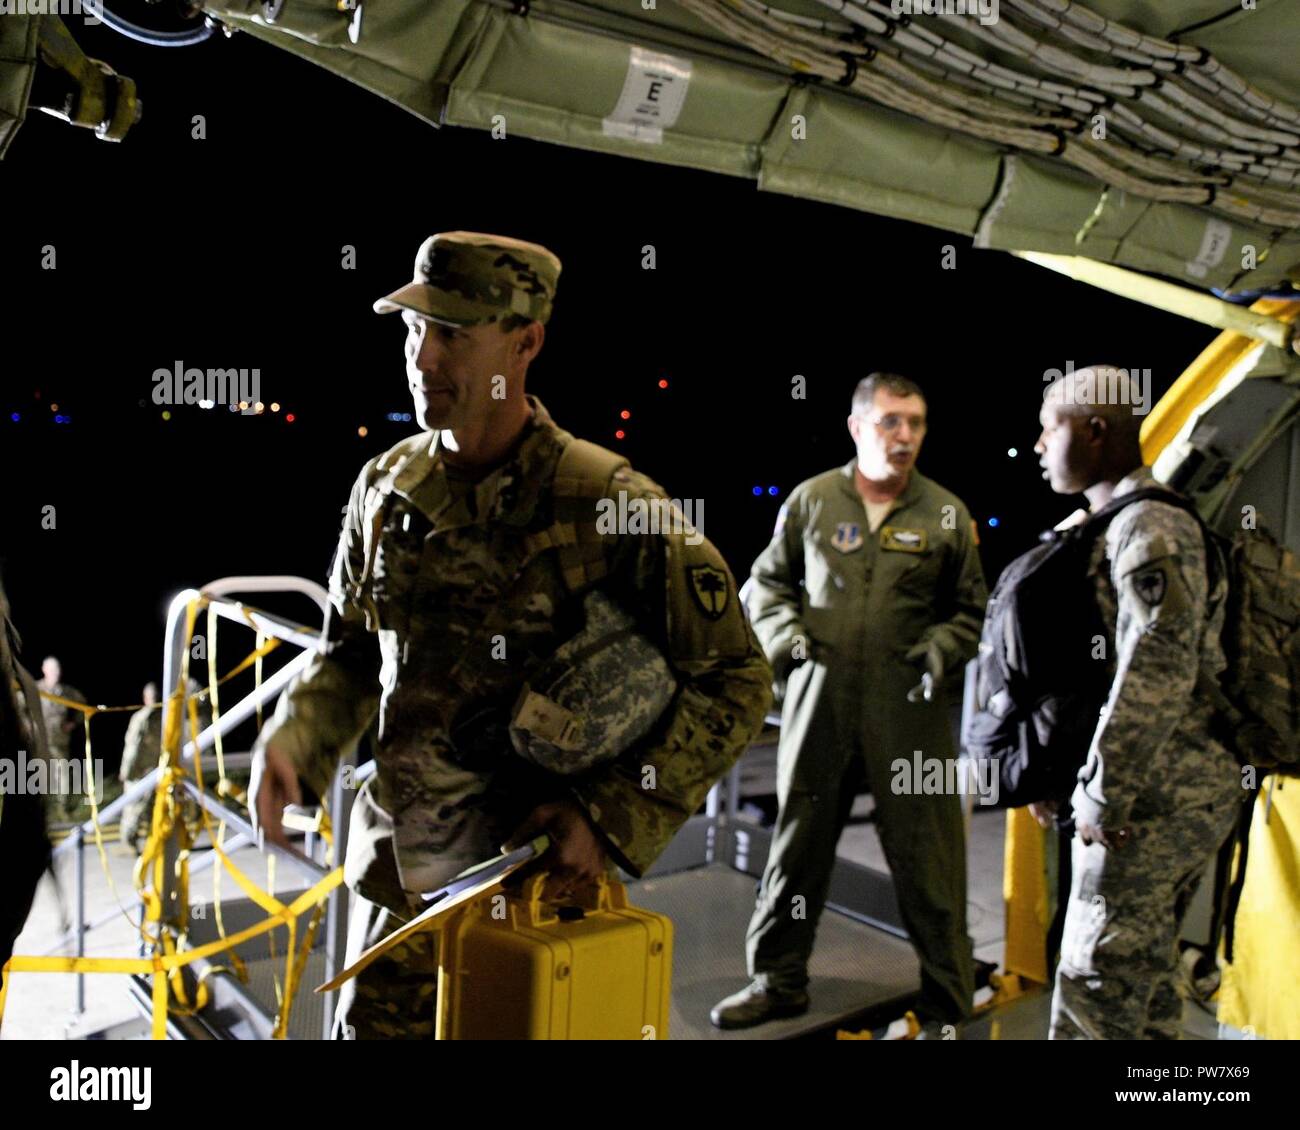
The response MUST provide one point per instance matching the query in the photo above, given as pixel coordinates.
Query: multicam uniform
(860, 601)
(60, 804)
(140, 753)
(24, 847)
(1153, 768)
(446, 593)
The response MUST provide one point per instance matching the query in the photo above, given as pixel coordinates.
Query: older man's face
(888, 435)
(52, 671)
(451, 370)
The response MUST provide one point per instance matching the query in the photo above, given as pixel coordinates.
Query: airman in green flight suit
(871, 585)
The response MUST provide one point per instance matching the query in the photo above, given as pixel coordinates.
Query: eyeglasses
(892, 421)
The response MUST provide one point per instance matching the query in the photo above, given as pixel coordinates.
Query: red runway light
(619, 434)
(663, 384)
(626, 414)
(290, 418)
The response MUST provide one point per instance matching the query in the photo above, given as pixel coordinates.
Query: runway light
(773, 491)
(207, 403)
(625, 414)
(758, 492)
(54, 407)
(1012, 452)
(275, 406)
(363, 431)
(994, 523)
(166, 414)
(243, 405)
(663, 384)
(259, 407)
(14, 417)
(289, 418)
(619, 434)
(406, 417)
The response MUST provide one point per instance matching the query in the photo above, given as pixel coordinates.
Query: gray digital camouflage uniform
(1152, 768)
(859, 602)
(446, 596)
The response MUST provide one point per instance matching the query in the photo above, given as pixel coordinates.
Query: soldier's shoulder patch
(710, 589)
(1150, 585)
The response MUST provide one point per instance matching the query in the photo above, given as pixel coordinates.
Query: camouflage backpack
(1258, 693)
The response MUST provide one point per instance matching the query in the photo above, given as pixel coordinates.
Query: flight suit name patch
(848, 537)
(902, 539)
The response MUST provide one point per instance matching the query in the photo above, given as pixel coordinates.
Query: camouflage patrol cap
(601, 692)
(465, 278)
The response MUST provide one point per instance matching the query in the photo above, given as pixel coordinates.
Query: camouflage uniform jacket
(57, 715)
(143, 744)
(21, 718)
(1152, 752)
(445, 595)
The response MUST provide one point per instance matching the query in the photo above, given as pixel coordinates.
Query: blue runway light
(14, 417)
(773, 491)
(758, 492)
(994, 523)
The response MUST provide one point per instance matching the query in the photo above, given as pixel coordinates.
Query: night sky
(226, 252)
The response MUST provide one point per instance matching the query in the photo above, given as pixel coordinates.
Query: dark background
(226, 252)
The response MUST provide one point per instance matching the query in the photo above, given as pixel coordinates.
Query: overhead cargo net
(1041, 125)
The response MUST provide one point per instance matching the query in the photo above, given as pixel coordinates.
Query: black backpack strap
(1233, 899)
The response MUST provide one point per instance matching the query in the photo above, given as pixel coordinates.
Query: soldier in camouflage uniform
(1158, 794)
(463, 565)
(60, 722)
(872, 582)
(24, 847)
(140, 753)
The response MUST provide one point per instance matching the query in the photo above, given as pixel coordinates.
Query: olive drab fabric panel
(703, 84)
(883, 166)
(709, 115)
(17, 66)
(405, 50)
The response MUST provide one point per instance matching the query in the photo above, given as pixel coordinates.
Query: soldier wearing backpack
(1159, 793)
(470, 554)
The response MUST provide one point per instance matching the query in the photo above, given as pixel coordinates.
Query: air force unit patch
(848, 537)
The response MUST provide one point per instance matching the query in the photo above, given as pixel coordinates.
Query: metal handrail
(216, 595)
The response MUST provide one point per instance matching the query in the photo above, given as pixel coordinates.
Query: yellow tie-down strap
(167, 960)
